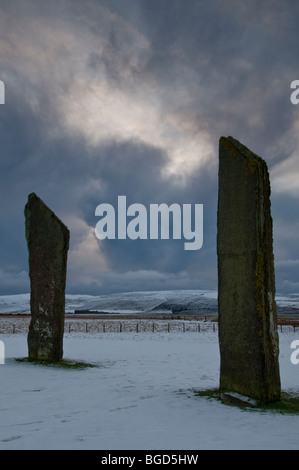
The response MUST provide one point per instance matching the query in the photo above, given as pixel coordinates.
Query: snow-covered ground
(140, 396)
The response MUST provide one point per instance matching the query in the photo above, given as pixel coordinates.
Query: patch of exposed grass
(212, 393)
(62, 364)
(289, 403)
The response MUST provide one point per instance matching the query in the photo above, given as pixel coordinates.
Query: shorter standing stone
(48, 242)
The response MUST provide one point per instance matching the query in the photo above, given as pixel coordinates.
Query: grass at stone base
(289, 403)
(62, 364)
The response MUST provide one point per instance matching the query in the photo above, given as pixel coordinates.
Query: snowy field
(141, 395)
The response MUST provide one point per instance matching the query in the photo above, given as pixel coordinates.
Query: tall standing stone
(48, 243)
(248, 337)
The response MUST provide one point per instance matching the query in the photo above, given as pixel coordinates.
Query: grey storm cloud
(108, 98)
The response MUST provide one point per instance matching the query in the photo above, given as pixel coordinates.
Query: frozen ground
(140, 396)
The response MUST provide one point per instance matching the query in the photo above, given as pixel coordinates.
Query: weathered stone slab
(236, 399)
(48, 242)
(248, 337)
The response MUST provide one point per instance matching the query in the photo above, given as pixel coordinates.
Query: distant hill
(187, 301)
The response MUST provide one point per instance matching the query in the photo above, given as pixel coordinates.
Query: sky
(105, 98)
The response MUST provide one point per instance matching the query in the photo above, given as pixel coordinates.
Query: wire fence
(139, 326)
(21, 325)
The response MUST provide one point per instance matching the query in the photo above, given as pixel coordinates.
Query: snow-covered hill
(199, 301)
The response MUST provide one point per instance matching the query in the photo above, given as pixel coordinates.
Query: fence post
(104, 329)
(198, 327)
(153, 326)
(120, 327)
